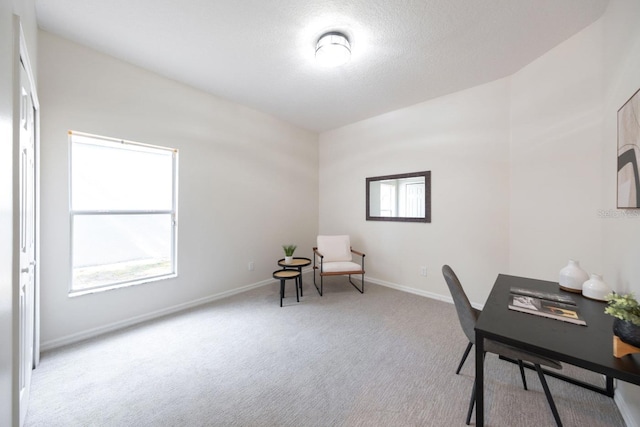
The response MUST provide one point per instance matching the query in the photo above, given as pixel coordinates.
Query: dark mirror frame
(427, 197)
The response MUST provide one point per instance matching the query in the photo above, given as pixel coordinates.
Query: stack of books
(545, 304)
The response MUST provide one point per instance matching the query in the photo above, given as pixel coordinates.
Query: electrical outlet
(423, 271)
(251, 266)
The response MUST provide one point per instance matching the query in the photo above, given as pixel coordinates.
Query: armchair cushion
(335, 248)
(341, 267)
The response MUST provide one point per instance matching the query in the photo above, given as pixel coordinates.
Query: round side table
(297, 263)
(283, 276)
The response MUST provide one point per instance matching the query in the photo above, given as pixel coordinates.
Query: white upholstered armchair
(334, 257)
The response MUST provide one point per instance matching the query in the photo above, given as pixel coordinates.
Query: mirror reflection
(402, 197)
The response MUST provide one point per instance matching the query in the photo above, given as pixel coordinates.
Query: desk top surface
(588, 346)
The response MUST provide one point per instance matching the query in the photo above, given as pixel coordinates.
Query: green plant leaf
(289, 249)
(623, 307)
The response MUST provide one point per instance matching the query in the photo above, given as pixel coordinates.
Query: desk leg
(609, 387)
(479, 380)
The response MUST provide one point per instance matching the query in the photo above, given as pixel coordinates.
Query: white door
(27, 239)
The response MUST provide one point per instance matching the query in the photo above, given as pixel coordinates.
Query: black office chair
(468, 317)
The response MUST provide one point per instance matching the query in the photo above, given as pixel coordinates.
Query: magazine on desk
(546, 308)
(565, 299)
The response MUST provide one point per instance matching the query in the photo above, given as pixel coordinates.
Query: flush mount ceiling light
(333, 49)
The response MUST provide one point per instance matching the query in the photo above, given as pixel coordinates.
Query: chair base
(545, 387)
(361, 290)
(320, 289)
(464, 357)
(520, 364)
(608, 390)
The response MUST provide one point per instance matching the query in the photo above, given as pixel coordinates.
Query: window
(387, 199)
(123, 213)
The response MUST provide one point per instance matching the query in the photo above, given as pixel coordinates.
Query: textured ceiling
(261, 53)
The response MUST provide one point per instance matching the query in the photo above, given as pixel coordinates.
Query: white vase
(595, 288)
(572, 277)
(288, 259)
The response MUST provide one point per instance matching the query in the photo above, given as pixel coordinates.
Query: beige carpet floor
(384, 358)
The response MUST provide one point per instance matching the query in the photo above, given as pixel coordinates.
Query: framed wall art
(629, 153)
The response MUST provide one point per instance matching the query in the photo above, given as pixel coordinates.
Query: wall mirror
(403, 197)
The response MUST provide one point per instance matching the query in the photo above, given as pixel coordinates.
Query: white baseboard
(90, 333)
(408, 289)
(625, 410)
(445, 298)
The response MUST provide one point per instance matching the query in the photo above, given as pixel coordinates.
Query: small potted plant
(288, 253)
(626, 310)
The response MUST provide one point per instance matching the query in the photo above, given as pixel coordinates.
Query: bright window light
(123, 213)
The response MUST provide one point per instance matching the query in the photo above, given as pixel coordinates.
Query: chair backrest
(335, 248)
(466, 313)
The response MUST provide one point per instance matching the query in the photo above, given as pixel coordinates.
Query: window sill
(73, 294)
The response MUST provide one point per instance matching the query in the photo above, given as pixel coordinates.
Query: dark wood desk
(589, 347)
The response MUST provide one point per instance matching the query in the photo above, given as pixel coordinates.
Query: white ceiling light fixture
(333, 49)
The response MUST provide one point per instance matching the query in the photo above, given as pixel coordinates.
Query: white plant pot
(288, 259)
(572, 277)
(595, 288)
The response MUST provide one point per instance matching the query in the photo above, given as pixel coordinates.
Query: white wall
(25, 10)
(556, 168)
(248, 184)
(463, 139)
(621, 228)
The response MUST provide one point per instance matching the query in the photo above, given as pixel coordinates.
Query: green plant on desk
(289, 249)
(623, 307)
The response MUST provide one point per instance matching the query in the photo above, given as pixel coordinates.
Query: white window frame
(75, 213)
